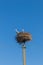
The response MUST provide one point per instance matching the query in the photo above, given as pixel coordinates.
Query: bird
(17, 31)
(22, 30)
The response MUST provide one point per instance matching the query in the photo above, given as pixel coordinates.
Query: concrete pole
(24, 54)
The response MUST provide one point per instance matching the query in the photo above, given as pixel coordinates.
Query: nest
(23, 37)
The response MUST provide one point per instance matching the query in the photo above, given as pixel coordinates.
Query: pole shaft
(24, 54)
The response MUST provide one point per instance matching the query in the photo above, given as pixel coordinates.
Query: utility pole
(24, 54)
(21, 38)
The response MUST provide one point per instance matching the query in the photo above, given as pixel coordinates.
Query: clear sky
(27, 14)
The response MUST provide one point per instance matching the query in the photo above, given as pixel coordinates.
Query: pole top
(22, 37)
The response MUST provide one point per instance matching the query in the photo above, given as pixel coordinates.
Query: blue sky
(27, 14)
